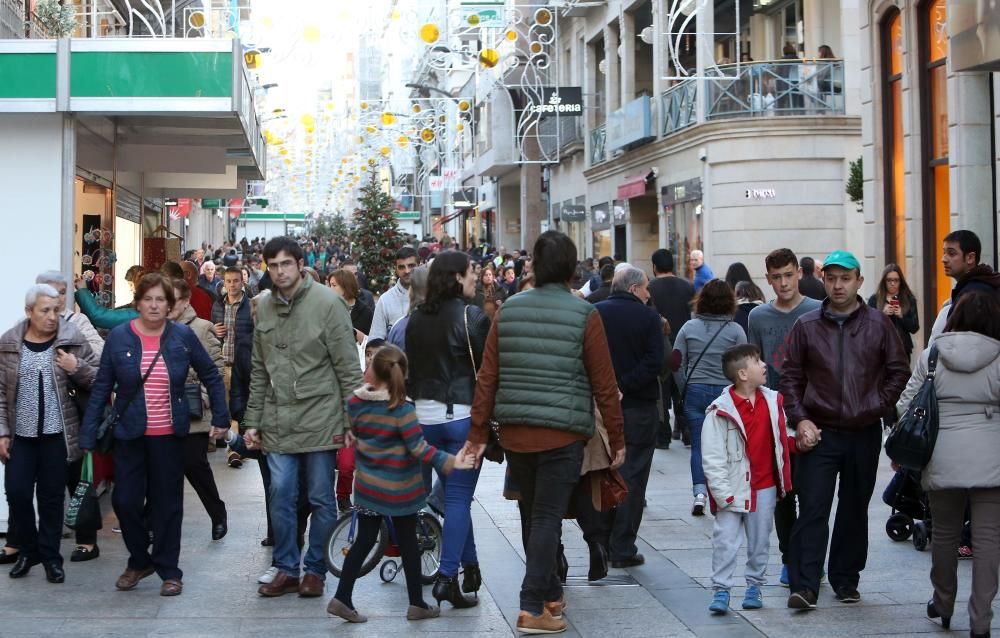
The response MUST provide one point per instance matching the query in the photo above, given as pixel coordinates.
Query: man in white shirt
(395, 303)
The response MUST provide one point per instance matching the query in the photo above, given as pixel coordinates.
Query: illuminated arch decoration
(681, 40)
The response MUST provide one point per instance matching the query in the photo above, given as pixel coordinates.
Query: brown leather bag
(613, 489)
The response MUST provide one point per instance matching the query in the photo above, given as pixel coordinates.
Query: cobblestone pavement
(665, 597)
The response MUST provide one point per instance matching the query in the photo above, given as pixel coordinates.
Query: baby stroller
(911, 514)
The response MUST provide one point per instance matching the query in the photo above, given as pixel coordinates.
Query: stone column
(761, 38)
(627, 61)
(612, 85)
(971, 176)
(812, 17)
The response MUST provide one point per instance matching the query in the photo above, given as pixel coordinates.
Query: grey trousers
(727, 536)
(948, 508)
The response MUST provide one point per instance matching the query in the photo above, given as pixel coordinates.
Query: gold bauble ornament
(489, 58)
(430, 33)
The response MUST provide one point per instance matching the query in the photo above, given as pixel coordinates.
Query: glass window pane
(939, 111)
(942, 226)
(937, 23)
(898, 214)
(896, 45)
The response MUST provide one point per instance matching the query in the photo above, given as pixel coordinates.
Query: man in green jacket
(305, 366)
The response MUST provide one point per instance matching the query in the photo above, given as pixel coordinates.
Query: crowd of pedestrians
(347, 398)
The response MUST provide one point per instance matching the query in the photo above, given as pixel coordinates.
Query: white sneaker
(268, 576)
(698, 509)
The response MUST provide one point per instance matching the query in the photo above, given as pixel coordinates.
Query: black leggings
(364, 541)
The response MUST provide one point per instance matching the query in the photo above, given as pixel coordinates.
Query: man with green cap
(844, 369)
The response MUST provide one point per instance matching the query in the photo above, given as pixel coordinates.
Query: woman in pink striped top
(146, 362)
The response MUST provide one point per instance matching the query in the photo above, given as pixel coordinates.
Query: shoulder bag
(494, 451)
(105, 431)
(911, 441)
(689, 371)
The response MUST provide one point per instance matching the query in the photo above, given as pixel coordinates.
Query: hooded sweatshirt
(967, 384)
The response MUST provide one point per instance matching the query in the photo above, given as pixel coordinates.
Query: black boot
(472, 580)
(932, 612)
(975, 635)
(562, 565)
(598, 561)
(447, 589)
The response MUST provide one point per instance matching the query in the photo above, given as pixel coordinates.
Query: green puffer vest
(543, 381)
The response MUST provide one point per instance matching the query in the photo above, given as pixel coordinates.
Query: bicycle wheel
(429, 540)
(340, 540)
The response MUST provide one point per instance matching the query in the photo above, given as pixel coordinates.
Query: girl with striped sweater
(390, 449)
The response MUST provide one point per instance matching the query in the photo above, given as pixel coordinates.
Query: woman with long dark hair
(963, 473)
(445, 338)
(736, 273)
(897, 302)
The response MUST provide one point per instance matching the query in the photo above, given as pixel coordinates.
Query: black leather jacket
(438, 352)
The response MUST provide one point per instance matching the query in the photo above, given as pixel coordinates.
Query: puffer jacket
(305, 368)
(70, 340)
(205, 332)
(724, 457)
(846, 376)
(967, 383)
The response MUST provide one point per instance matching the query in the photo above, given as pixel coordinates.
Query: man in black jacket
(844, 369)
(809, 285)
(233, 319)
(635, 340)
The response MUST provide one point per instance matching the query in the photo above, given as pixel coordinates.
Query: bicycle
(429, 540)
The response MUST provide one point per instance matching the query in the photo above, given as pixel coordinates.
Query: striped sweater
(390, 451)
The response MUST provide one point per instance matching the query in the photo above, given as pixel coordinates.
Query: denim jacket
(120, 366)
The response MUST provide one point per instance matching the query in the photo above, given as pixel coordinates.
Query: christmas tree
(376, 236)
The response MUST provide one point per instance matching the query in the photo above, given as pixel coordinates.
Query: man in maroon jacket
(201, 301)
(845, 368)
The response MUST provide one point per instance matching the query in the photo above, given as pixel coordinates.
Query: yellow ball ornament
(427, 135)
(430, 33)
(464, 106)
(489, 58)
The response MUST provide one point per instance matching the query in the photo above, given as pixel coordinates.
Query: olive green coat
(305, 367)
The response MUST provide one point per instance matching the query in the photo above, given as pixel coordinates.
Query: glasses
(891, 281)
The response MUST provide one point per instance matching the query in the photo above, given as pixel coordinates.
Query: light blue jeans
(699, 397)
(459, 543)
(284, 495)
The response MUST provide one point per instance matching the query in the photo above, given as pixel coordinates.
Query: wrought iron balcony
(779, 88)
(557, 134)
(677, 106)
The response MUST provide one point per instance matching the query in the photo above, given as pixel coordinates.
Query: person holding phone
(897, 302)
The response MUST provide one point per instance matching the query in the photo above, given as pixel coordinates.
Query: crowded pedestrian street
(663, 598)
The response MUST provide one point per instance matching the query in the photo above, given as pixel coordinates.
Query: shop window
(895, 206)
(934, 98)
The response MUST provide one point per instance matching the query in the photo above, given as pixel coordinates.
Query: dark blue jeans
(699, 397)
(459, 543)
(37, 466)
(285, 484)
(547, 480)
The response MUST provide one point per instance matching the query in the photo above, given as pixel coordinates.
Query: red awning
(632, 187)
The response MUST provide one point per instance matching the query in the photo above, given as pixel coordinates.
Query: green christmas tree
(376, 236)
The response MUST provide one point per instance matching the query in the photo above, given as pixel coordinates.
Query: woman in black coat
(895, 299)
(345, 284)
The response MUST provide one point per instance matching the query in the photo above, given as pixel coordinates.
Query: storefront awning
(634, 186)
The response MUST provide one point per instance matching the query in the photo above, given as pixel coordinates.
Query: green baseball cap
(843, 259)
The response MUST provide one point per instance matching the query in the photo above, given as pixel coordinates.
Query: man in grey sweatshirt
(768, 329)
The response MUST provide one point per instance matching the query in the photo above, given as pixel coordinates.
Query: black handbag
(106, 430)
(84, 510)
(494, 451)
(196, 407)
(910, 443)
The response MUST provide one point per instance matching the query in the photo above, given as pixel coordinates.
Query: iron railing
(556, 134)
(677, 106)
(598, 138)
(782, 88)
(11, 19)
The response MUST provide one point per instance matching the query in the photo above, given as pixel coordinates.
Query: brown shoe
(557, 608)
(311, 586)
(171, 587)
(281, 585)
(543, 624)
(131, 577)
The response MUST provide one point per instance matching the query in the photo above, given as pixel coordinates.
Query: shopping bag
(84, 511)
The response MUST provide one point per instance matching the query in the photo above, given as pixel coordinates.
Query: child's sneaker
(720, 602)
(783, 579)
(752, 599)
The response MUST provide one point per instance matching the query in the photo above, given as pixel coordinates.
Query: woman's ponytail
(389, 367)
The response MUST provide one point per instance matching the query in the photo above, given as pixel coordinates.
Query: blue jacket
(635, 339)
(120, 365)
(702, 275)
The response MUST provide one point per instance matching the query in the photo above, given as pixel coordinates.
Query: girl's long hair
(906, 297)
(389, 366)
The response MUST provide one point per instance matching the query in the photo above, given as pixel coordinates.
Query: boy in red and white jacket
(745, 446)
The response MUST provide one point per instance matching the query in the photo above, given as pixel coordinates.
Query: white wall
(31, 217)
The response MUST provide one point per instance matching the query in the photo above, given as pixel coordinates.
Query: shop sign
(213, 203)
(619, 211)
(484, 14)
(435, 182)
(630, 124)
(574, 213)
(561, 100)
(761, 193)
(406, 215)
(681, 192)
(513, 226)
(600, 217)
